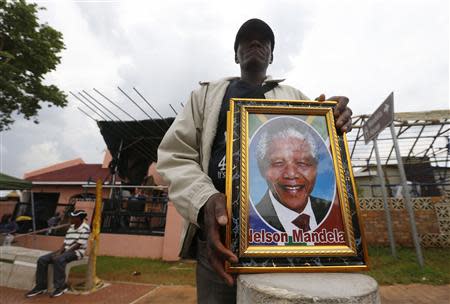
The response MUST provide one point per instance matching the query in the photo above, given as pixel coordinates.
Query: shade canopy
(133, 145)
(12, 183)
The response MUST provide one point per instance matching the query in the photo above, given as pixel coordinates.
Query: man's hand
(342, 113)
(215, 217)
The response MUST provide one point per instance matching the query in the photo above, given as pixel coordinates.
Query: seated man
(73, 248)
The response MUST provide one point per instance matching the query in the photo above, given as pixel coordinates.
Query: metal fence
(142, 216)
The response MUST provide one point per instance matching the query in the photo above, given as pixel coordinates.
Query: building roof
(54, 167)
(79, 173)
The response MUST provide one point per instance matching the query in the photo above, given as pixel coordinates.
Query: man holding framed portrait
(191, 157)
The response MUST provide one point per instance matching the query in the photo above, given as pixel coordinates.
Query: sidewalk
(114, 293)
(131, 293)
(415, 294)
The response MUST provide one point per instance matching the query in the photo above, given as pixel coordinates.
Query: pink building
(136, 222)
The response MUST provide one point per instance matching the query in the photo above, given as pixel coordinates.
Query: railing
(135, 216)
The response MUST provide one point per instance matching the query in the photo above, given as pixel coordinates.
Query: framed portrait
(291, 196)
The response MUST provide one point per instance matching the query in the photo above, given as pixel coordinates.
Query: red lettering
(315, 237)
(297, 236)
(330, 237)
(269, 237)
(257, 237)
(322, 236)
(276, 237)
(307, 237)
(341, 237)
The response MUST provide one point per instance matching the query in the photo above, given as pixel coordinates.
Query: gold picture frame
(261, 196)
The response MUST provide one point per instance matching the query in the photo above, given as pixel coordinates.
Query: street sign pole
(385, 203)
(407, 197)
(375, 124)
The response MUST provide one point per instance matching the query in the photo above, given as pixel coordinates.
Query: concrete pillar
(299, 288)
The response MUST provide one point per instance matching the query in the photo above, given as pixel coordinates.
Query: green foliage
(150, 271)
(405, 269)
(28, 51)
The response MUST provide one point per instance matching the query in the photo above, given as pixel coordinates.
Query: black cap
(254, 25)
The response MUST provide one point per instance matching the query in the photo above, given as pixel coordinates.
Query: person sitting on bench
(73, 248)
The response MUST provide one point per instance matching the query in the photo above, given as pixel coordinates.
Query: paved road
(130, 293)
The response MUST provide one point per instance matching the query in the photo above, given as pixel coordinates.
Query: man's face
(254, 52)
(291, 172)
(75, 220)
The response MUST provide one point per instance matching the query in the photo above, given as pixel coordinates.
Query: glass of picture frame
(291, 196)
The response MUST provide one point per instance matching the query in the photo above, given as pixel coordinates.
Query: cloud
(363, 49)
(34, 154)
(366, 49)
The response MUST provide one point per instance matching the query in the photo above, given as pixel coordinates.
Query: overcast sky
(361, 49)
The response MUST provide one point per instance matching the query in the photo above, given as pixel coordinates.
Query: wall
(42, 242)
(432, 215)
(172, 235)
(7, 207)
(125, 245)
(110, 244)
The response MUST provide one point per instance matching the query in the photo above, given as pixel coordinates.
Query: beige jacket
(184, 153)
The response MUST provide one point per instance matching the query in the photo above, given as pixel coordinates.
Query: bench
(69, 265)
(18, 267)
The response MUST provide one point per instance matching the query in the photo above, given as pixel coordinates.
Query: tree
(28, 51)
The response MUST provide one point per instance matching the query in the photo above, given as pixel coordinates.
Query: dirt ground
(132, 293)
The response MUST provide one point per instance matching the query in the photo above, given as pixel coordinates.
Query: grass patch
(405, 269)
(151, 271)
(384, 268)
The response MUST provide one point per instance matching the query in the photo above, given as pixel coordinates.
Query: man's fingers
(342, 102)
(321, 97)
(347, 127)
(220, 211)
(218, 266)
(344, 118)
(215, 244)
(215, 216)
(220, 250)
(339, 99)
(342, 114)
(217, 263)
(341, 106)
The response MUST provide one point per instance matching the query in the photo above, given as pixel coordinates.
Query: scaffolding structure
(424, 139)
